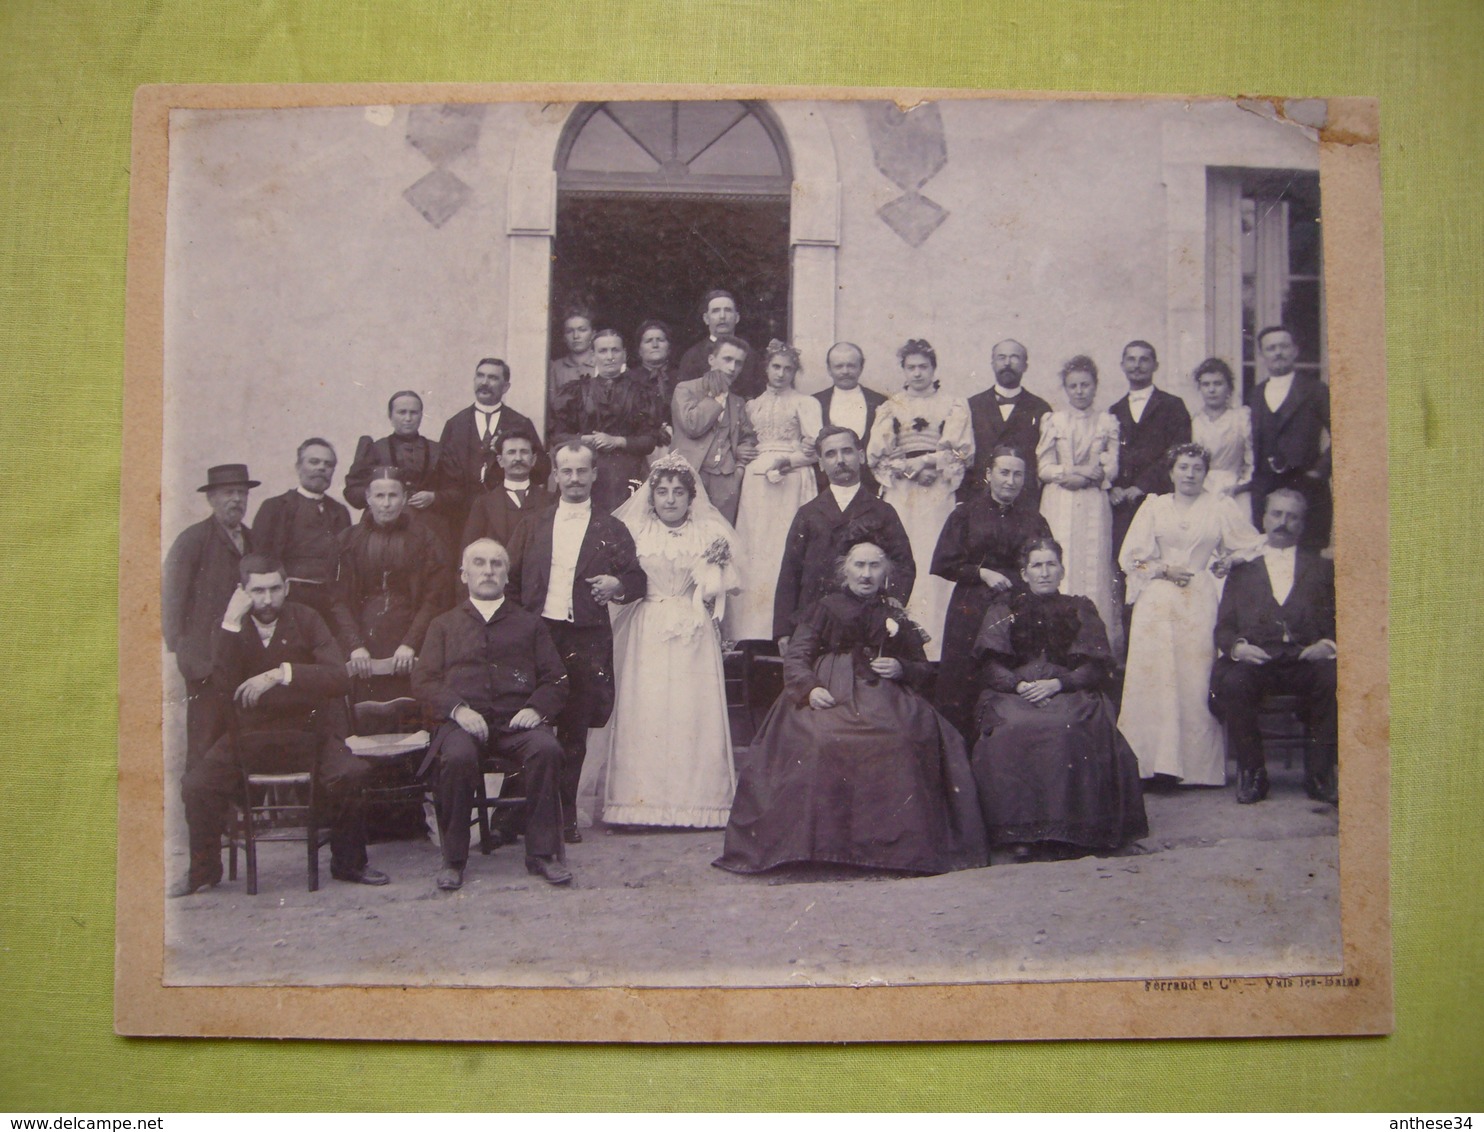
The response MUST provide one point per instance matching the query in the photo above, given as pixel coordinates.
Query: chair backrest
(386, 717)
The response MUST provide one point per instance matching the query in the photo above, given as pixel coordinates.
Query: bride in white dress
(670, 760)
(1171, 546)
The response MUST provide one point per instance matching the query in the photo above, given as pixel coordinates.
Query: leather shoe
(450, 878)
(367, 875)
(572, 835)
(549, 868)
(1252, 786)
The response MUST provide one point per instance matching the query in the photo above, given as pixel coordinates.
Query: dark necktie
(1001, 399)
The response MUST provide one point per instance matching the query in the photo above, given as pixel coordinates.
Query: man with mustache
(1150, 423)
(846, 508)
(847, 402)
(567, 564)
(712, 429)
(1290, 433)
(497, 512)
(720, 314)
(1276, 632)
(302, 528)
(200, 575)
(467, 467)
(1006, 415)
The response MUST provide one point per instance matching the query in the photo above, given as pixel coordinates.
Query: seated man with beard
(283, 673)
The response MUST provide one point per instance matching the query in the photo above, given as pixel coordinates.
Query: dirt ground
(1217, 889)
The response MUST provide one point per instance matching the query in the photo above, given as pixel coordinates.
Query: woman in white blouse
(1077, 460)
(774, 487)
(1176, 546)
(1223, 430)
(920, 445)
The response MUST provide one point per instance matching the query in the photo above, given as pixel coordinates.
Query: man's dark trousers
(585, 650)
(1237, 690)
(457, 778)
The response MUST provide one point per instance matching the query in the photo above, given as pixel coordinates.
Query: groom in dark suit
(567, 563)
(807, 572)
(1006, 414)
(1150, 423)
(1276, 632)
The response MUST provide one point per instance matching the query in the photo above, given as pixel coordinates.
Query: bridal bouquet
(719, 553)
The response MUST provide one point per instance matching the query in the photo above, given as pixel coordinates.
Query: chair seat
(296, 779)
(390, 746)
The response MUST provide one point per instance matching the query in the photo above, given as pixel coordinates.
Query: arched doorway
(660, 202)
(531, 231)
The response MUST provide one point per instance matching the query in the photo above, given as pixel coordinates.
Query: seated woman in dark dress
(979, 552)
(1050, 764)
(852, 766)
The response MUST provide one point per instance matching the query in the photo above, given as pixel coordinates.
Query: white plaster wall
(302, 289)
(1052, 238)
(1060, 234)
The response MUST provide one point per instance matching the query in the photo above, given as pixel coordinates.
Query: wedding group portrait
(748, 543)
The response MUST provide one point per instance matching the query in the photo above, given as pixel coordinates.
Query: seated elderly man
(489, 671)
(277, 663)
(1275, 629)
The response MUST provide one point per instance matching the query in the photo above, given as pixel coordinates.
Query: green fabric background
(67, 73)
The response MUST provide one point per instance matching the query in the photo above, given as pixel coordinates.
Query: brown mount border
(1350, 175)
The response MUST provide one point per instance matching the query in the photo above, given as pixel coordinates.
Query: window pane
(1301, 314)
(1303, 240)
(652, 123)
(604, 147)
(746, 149)
(701, 123)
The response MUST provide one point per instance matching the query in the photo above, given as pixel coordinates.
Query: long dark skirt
(957, 686)
(879, 780)
(1059, 772)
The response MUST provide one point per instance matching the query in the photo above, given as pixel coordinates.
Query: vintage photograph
(749, 543)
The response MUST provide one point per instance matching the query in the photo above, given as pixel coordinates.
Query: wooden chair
(736, 669)
(283, 805)
(508, 803)
(391, 737)
(1280, 723)
(742, 668)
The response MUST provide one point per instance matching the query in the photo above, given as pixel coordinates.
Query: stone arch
(814, 235)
